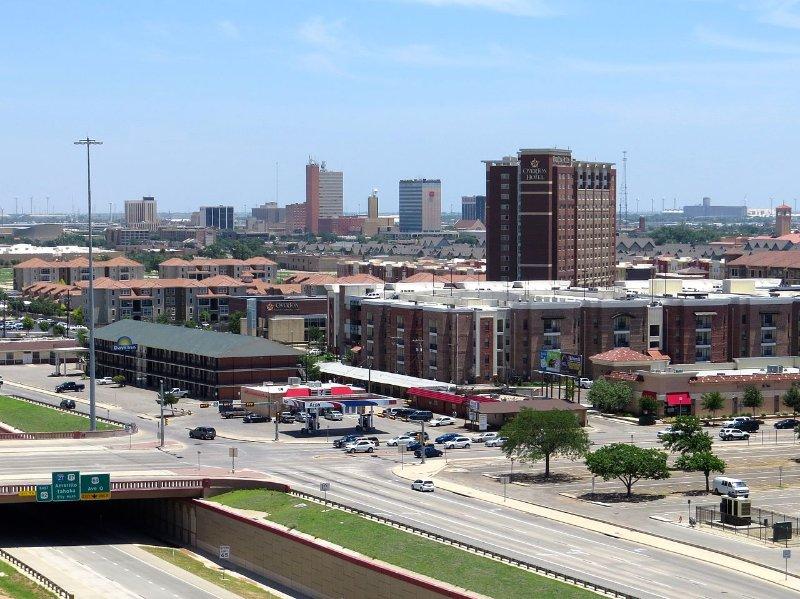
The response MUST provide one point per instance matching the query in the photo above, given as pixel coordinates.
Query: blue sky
(197, 101)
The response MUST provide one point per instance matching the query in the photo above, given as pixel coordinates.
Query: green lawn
(15, 585)
(184, 560)
(400, 548)
(33, 418)
(6, 276)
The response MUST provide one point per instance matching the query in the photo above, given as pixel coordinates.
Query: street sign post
(224, 552)
(325, 487)
(505, 479)
(787, 553)
(31, 492)
(233, 452)
(44, 493)
(95, 487)
(66, 486)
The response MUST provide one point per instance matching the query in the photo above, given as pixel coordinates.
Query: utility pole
(161, 418)
(92, 399)
(422, 441)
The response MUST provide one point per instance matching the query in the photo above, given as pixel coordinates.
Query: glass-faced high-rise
(420, 205)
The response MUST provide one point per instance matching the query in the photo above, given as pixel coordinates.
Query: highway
(366, 482)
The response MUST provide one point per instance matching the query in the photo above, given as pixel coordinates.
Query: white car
(496, 442)
(457, 443)
(422, 485)
(483, 437)
(360, 446)
(667, 431)
(733, 434)
(401, 440)
(177, 392)
(106, 380)
(735, 421)
(585, 383)
(442, 421)
(334, 415)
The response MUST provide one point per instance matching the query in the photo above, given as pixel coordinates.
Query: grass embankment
(33, 418)
(403, 549)
(180, 558)
(15, 585)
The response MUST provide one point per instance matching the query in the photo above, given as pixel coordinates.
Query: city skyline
(210, 122)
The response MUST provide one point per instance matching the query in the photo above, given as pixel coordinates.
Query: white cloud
(322, 33)
(781, 13)
(521, 8)
(731, 42)
(229, 29)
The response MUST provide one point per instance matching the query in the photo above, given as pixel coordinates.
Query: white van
(735, 487)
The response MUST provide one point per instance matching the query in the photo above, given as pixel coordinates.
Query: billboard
(558, 362)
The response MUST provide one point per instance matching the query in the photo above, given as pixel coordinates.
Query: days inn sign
(125, 344)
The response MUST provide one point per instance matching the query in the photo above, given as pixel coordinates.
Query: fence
(761, 527)
(471, 548)
(41, 579)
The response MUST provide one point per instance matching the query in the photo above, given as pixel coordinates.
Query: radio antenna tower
(625, 183)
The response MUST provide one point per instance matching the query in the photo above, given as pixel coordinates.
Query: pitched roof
(223, 281)
(118, 261)
(175, 262)
(787, 259)
(196, 341)
(359, 278)
(621, 354)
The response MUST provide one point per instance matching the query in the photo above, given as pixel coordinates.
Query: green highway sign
(44, 493)
(67, 486)
(95, 487)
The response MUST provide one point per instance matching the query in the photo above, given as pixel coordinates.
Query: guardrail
(40, 578)
(121, 485)
(469, 547)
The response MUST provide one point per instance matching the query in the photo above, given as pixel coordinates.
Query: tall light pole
(92, 404)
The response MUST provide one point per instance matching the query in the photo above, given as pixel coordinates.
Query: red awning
(679, 399)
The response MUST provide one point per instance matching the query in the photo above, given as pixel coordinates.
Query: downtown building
(551, 218)
(218, 217)
(420, 205)
(141, 213)
(324, 195)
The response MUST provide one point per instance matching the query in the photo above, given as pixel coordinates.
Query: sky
(196, 102)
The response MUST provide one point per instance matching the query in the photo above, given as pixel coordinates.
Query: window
(504, 186)
(655, 330)
(504, 176)
(504, 196)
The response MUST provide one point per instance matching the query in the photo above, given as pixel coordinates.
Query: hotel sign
(532, 170)
(125, 344)
(271, 306)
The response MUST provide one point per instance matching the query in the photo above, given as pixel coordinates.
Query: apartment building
(74, 271)
(198, 269)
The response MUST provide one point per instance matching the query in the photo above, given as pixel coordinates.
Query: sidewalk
(430, 469)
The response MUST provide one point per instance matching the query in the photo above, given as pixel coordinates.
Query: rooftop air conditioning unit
(314, 384)
(774, 369)
(293, 380)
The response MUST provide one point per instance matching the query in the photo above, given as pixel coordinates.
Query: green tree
(792, 398)
(27, 323)
(234, 318)
(569, 389)
(190, 324)
(609, 396)
(170, 400)
(118, 380)
(687, 436)
(534, 435)
(712, 401)
(648, 406)
(701, 461)
(753, 398)
(628, 463)
(76, 316)
(44, 326)
(83, 337)
(59, 330)
(205, 316)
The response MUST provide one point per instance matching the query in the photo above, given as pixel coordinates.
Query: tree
(170, 400)
(701, 461)
(205, 316)
(190, 324)
(163, 318)
(609, 396)
(118, 380)
(569, 389)
(533, 435)
(628, 463)
(76, 316)
(753, 398)
(712, 401)
(687, 436)
(59, 330)
(83, 338)
(44, 326)
(792, 398)
(27, 323)
(234, 318)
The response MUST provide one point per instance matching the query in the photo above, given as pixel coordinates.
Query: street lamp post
(92, 403)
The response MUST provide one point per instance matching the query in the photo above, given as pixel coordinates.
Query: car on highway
(203, 432)
(253, 417)
(457, 443)
(430, 452)
(67, 404)
(334, 415)
(344, 441)
(106, 380)
(787, 423)
(413, 446)
(70, 386)
(496, 442)
(446, 437)
(584, 383)
(732, 487)
(484, 437)
(400, 440)
(360, 446)
(733, 434)
(422, 485)
(442, 421)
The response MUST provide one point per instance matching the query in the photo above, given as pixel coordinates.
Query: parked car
(733, 434)
(458, 443)
(750, 425)
(253, 417)
(584, 383)
(416, 435)
(203, 432)
(732, 422)
(733, 487)
(430, 452)
(301, 416)
(422, 485)
(70, 386)
(421, 415)
(667, 431)
(787, 423)
(287, 417)
(67, 404)
(342, 441)
(446, 437)
(360, 446)
(496, 442)
(400, 440)
(402, 413)
(413, 446)
(106, 380)
(485, 436)
(442, 421)
(334, 415)
(233, 412)
(177, 392)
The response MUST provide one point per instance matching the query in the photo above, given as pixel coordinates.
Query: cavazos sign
(125, 344)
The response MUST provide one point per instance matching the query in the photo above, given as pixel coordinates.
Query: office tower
(324, 194)
(220, 217)
(783, 220)
(420, 205)
(142, 211)
(372, 205)
(554, 218)
(269, 212)
(473, 208)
